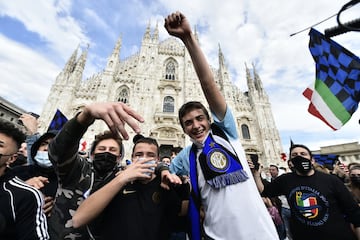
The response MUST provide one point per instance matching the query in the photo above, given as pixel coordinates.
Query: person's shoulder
(324, 175)
(21, 169)
(22, 189)
(286, 175)
(284, 178)
(329, 178)
(25, 172)
(184, 153)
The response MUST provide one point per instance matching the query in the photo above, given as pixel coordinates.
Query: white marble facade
(156, 81)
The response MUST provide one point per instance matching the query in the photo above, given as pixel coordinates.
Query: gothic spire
(196, 34)
(117, 47)
(80, 65)
(258, 83)
(155, 35)
(221, 58)
(147, 35)
(249, 80)
(113, 60)
(70, 65)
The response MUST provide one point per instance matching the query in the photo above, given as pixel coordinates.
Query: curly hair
(9, 129)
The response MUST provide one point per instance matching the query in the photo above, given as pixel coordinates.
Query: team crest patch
(310, 206)
(218, 160)
(307, 205)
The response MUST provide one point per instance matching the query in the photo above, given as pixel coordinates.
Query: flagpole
(344, 28)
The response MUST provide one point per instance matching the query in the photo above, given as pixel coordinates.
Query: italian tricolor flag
(326, 106)
(336, 93)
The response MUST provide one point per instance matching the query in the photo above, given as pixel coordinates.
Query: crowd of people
(208, 190)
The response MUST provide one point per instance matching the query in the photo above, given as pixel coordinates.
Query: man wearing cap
(321, 206)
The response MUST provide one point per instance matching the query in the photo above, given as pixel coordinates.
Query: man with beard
(321, 206)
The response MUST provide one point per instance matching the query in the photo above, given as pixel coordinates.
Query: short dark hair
(166, 156)
(10, 130)
(300, 146)
(176, 150)
(273, 165)
(148, 140)
(353, 166)
(190, 106)
(107, 135)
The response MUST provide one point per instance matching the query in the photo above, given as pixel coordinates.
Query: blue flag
(326, 159)
(336, 93)
(58, 121)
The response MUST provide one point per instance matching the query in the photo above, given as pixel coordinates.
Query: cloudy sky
(38, 37)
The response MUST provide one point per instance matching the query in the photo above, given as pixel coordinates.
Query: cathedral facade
(156, 81)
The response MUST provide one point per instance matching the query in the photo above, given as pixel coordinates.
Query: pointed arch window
(168, 104)
(245, 131)
(170, 71)
(123, 95)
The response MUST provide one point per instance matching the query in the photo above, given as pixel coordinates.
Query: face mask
(301, 164)
(20, 160)
(355, 180)
(104, 163)
(292, 169)
(42, 159)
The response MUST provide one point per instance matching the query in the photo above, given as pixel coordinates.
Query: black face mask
(20, 160)
(355, 181)
(301, 164)
(104, 163)
(292, 169)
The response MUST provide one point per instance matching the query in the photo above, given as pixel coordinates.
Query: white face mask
(42, 159)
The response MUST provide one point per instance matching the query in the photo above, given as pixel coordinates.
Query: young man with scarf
(216, 161)
(321, 206)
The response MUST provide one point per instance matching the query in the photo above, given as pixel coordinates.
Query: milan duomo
(156, 81)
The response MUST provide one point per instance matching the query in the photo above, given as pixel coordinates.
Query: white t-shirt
(236, 211)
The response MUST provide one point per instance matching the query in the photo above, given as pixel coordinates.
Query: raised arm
(63, 149)
(177, 25)
(31, 125)
(257, 176)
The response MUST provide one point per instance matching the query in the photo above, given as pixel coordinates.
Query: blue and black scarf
(221, 167)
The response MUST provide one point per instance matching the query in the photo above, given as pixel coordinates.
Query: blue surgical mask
(42, 159)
